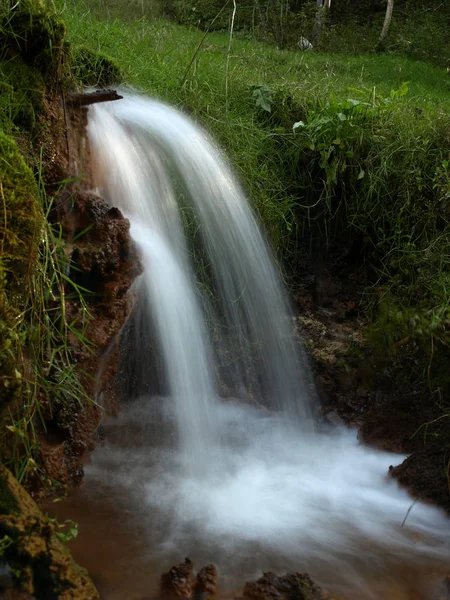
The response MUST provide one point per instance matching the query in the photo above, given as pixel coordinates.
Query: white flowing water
(242, 487)
(146, 151)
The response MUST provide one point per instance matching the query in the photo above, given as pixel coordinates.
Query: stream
(188, 473)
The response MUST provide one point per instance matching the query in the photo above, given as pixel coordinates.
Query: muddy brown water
(126, 544)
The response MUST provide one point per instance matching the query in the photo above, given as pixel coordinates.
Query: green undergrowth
(37, 372)
(416, 31)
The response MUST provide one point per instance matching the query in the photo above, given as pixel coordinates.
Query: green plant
(29, 28)
(5, 542)
(94, 68)
(70, 530)
(45, 337)
(37, 370)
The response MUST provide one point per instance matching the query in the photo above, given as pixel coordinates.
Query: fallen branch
(92, 98)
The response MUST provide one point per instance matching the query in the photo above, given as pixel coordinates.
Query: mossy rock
(10, 377)
(94, 68)
(40, 563)
(21, 92)
(22, 218)
(30, 29)
(20, 227)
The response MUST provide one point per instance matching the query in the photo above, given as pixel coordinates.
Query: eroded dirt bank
(91, 298)
(384, 395)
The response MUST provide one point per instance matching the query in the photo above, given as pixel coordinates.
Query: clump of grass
(94, 68)
(33, 31)
(42, 359)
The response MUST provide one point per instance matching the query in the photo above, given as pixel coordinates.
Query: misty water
(220, 458)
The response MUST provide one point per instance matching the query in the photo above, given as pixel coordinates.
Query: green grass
(154, 55)
(379, 179)
(37, 372)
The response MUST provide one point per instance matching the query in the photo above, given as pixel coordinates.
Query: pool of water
(271, 499)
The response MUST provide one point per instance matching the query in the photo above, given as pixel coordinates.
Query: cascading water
(245, 488)
(145, 147)
(136, 181)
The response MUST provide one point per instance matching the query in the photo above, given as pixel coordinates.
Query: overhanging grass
(154, 56)
(386, 181)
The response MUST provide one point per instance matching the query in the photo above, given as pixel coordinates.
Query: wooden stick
(92, 98)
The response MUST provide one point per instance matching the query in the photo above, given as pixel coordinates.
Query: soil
(104, 261)
(381, 396)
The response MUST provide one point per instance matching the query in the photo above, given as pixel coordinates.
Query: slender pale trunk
(386, 24)
(323, 6)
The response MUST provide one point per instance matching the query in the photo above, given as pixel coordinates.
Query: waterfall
(247, 488)
(154, 163)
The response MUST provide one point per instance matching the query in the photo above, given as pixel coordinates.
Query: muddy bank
(35, 561)
(384, 395)
(86, 243)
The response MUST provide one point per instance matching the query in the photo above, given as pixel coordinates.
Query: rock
(304, 44)
(422, 472)
(294, 586)
(16, 595)
(442, 590)
(40, 564)
(206, 582)
(105, 262)
(179, 581)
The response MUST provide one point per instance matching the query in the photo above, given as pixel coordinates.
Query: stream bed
(273, 499)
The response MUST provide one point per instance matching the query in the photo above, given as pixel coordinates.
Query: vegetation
(346, 150)
(334, 150)
(37, 373)
(418, 29)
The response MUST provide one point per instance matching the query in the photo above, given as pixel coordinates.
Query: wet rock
(179, 581)
(206, 582)
(39, 563)
(442, 590)
(425, 471)
(293, 586)
(104, 261)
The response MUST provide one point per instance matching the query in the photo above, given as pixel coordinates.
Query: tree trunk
(323, 6)
(386, 24)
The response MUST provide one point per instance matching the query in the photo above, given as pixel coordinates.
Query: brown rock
(206, 582)
(105, 262)
(179, 581)
(294, 586)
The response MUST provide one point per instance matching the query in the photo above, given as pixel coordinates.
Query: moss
(21, 93)
(20, 224)
(93, 68)
(8, 504)
(10, 378)
(31, 30)
(21, 219)
(41, 563)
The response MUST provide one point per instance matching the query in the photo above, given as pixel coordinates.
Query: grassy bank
(331, 149)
